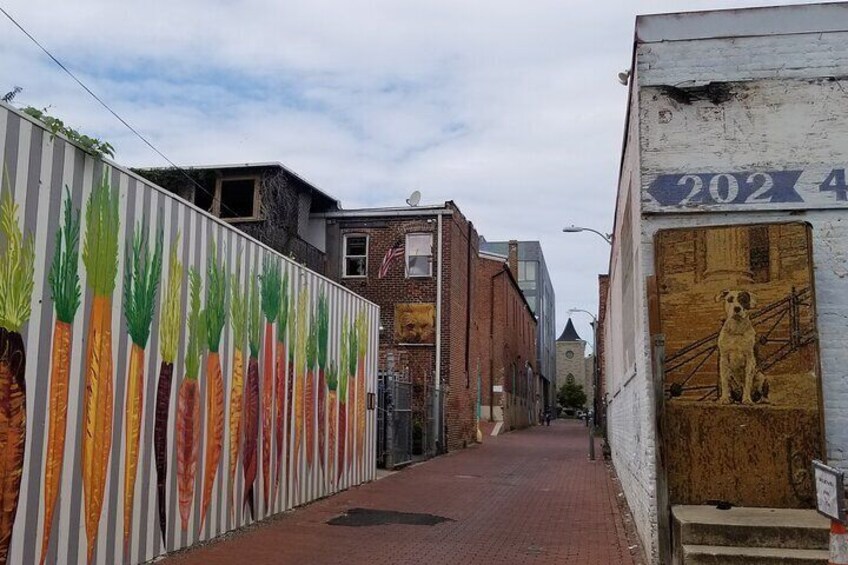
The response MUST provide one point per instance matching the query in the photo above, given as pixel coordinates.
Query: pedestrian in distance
(548, 417)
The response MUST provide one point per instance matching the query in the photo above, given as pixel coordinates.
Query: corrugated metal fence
(134, 428)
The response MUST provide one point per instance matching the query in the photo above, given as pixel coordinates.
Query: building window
(527, 275)
(355, 256)
(419, 255)
(237, 198)
(569, 379)
(569, 354)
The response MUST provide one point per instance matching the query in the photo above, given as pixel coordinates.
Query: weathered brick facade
(600, 401)
(459, 251)
(507, 343)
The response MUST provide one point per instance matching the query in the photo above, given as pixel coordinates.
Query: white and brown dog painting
(739, 379)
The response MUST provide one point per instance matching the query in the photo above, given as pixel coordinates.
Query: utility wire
(111, 111)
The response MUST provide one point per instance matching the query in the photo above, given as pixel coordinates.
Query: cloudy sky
(511, 109)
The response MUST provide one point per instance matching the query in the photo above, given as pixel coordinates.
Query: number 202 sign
(811, 188)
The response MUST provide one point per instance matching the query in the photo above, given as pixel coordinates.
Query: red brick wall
(603, 290)
(509, 327)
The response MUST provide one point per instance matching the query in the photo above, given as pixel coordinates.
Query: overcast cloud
(511, 109)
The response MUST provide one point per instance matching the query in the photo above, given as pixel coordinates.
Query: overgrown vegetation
(91, 145)
(571, 395)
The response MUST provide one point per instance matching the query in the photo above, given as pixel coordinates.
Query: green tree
(571, 395)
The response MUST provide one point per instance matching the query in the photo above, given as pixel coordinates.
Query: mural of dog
(737, 361)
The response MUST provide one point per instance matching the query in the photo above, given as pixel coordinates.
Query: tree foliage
(571, 395)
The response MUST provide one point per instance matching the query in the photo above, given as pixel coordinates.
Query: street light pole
(594, 324)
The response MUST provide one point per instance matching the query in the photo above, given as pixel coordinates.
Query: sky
(511, 110)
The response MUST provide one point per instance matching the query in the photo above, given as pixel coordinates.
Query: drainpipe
(437, 417)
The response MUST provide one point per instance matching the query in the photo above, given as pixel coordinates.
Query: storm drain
(358, 517)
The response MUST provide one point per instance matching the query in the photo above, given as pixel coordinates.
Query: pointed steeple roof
(569, 333)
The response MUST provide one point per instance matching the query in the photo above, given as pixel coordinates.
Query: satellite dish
(414, 198)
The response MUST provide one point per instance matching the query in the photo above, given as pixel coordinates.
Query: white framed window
(419, 255)
(355, 261)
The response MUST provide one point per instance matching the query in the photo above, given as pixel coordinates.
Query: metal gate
(394, 420)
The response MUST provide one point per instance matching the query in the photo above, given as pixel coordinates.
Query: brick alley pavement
(529, 496)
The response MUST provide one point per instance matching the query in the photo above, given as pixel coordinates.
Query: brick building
(601, 399)
(426, 298)
(511, 388)
(265, 200)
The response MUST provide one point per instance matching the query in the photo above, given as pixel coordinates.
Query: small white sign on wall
(830, 493)
(497, 388)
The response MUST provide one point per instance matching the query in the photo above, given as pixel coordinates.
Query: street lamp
(574, 229)
(594, 378)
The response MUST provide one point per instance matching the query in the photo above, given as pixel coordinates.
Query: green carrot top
(141, 279)
(343, 374)
(332, 377)
(302, 323)
(353, 347)
(254, 318)
(283, 317)
(238, 308)
(323, 330)
(292, 323)
(312, 342)
(64, 272)
(100, 249)
(361, 333)
(171, 313)
(216, 299)
(270, 280)
(196, 327)
(16, 268)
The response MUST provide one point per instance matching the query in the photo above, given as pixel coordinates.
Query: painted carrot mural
(341, 433)
(279, 378)
(353, 392)
(309, 389)
(270, 281)
(170, 319)
(100, 257)
(291, 385)
(238, 323)
(16, 285)
(362, 348)
(250, 411)
(141, 280)
(188, 402)
(66, 295)
(332, 426)
(302, 335)
(216, 318)
(323, 332)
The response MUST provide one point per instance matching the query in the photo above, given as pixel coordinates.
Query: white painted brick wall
(792, 115)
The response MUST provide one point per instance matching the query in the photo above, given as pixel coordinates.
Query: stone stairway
(705, 535)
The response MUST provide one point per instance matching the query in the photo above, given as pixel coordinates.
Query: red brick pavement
(529, 496)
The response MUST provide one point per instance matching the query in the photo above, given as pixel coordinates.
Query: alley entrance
(529, 496)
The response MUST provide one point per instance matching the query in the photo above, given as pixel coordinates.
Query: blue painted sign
(776, 189)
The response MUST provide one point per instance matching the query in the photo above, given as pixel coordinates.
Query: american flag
(392, 253)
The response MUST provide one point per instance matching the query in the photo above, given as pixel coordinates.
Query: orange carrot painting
(270, 281)
(250, 410)
(66, 295)
(100, 257)
(238, 323)
(322, 338)
(16, 284)
(279, 379)
(187, 435)
(141, 280)
(302, 335)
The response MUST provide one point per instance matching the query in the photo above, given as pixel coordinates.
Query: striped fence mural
(163, 378)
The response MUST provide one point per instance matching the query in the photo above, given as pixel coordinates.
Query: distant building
(264, 200)
(572, 362)
(535, 283)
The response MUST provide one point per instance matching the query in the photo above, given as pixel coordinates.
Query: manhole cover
(358, 517)
(467, 476)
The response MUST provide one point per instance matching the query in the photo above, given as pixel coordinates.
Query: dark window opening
(238, 198)
(203, 198)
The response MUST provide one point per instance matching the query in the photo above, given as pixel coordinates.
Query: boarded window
(355, 256)
(759, 260)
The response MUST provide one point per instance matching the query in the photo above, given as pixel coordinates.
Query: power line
(111, 111)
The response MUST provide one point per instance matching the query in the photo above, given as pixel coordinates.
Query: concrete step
(750, 527)
(723, 555)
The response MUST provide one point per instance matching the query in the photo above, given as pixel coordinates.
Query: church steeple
(569, 333)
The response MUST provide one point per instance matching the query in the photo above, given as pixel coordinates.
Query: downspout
(439, 414)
